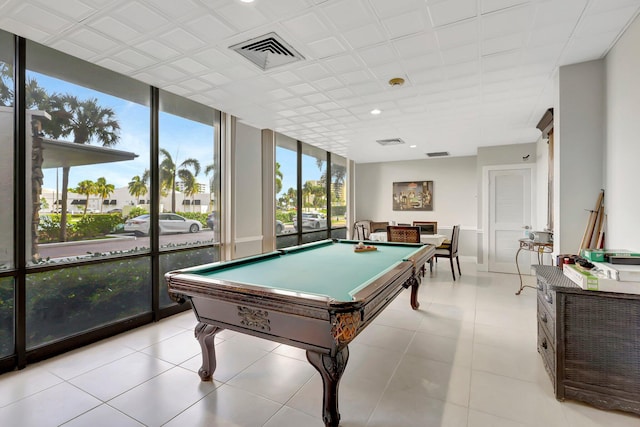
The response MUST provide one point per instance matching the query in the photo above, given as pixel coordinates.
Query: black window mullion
(299, 190)
(328, 191)
(154, 238)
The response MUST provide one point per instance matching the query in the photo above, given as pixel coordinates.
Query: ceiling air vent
(267, 51)
(438, 154)
(392, 141)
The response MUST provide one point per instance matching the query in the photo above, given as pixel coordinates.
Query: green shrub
(202, 217)
(137, 211)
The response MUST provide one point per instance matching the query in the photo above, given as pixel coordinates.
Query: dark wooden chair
(450, 250)
(403, 233)
(427, 227)
(376, 226)
(361, 229)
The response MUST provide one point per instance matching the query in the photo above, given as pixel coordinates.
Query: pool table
(317, 297)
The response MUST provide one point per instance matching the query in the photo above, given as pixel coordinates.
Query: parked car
(169, 223)
(212, 220)
(311, 220)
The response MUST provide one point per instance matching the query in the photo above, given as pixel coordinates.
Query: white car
(311, 220)
(169, 223)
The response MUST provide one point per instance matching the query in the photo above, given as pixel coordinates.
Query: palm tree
(279, 177)
(103, 189)
(87, 122)
(213, 181)
(138, 186)
(85, 188)
(169, 171)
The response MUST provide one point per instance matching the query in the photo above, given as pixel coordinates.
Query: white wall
(579, 130)
(622, 151)
(247, 191)
(454, 194)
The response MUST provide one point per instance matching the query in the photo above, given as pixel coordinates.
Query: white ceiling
(478, 72)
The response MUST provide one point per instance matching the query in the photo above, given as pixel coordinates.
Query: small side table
(532, 246)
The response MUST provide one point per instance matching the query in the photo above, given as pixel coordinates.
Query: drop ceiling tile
(565, 12)
(216, 79)
(507, 22)
(188, 65)
(116, 66)
(280, 94)
(181, 40)
(418, 63)
(167, 74)
(73, 49)
(312, 72)
(177, 9)
(156, 49)
(340, 94)
(307, 27)
(354, 77)
(367, 35)
(386, 72)
(292, 103)
(328, 106)
(214, 58)
(240, 72)
(448, 12)
(347, 14)
(588, 48)
(457, 34)
(328, 83)
(462, 69)
(604, 22)
(343, 63)
(459, 54)
(487, 6)
(302, 89)
(134, 58)
(16, 27)
(114, 28)
(605, 5)
(502, 44)
(391, 8)
(367, 88)
(91, 40)
(285, 77)
(40, 18)
(406, 24)
(278, 8)
(209, 28)
(241, 16)
(71, 9)
(326, 47)
(433, 75)
(139, 16)
(377, 55)
(552, 34)
(416, 45)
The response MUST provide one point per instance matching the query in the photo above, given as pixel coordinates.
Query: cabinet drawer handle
(544, 343)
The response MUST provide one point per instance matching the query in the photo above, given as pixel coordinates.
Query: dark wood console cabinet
(589, 342)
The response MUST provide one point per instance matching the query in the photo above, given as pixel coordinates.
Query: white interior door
(509, 211)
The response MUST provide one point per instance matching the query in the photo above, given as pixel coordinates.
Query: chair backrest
(378, 226)
(427, 227)
(454, 240)
(361, 229)
(403, 233)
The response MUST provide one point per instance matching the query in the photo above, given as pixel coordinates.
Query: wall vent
(438, 154)
(391, 141)
(268, 51)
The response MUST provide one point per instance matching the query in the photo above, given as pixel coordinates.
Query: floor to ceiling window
(189, 214)
(6, 194)
(304, 180)
(88, 139)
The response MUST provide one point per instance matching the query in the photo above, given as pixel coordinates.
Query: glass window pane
(67, 301)
(189, 174)
(286, 171)
(88, 159)
(6, 148)
(182, 259)
(6, 316)
(338, 191)
(314, 189)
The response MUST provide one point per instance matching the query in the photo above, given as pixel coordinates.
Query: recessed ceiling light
(413, 146)
(375, 111)
(246, 1)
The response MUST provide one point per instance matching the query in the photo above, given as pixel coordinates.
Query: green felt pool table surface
(331, 269)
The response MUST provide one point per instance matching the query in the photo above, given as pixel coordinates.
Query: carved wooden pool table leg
(206, 336)
(415, 285)
(331, 370)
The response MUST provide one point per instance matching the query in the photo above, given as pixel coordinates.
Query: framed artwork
(413, 196)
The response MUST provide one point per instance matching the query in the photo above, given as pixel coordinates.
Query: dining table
(431, 239)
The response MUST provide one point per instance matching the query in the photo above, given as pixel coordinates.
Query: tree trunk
(36, 191)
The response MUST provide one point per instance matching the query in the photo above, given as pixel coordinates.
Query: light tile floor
(467, 357)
